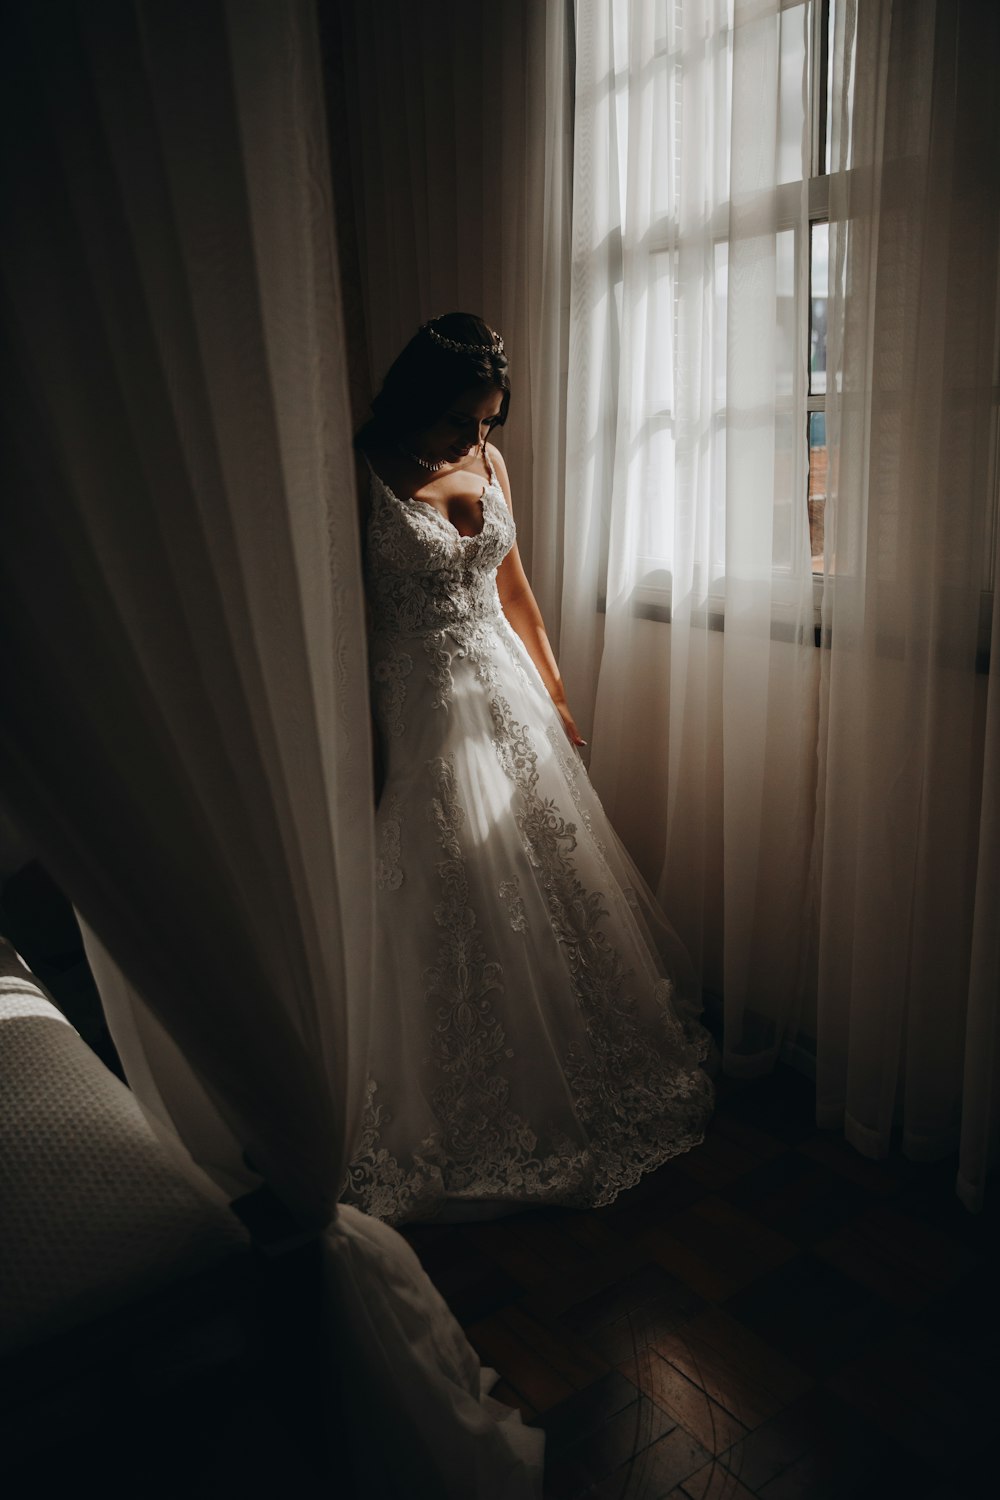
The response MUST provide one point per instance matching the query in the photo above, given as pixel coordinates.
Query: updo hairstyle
(428, 376)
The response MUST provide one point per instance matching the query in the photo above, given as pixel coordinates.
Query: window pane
(841, 59)
(817, 486)
(787, 491)
(818, 264)
(661, 306)
(788, 346)
(791, 96)
(720, 255)
(829, 103)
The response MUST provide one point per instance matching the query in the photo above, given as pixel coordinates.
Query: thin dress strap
(489, 466)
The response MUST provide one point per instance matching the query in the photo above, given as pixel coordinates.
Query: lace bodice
(421, 574)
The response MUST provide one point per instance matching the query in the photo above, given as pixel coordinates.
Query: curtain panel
(908, 978)
(822, 822)
(184, 730)
(687, 608)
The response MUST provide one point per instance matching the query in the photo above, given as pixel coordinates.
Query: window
(794, 204)
(816, 398)
(823, 48)
(720, 242)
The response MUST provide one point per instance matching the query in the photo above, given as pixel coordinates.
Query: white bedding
(94, 1211)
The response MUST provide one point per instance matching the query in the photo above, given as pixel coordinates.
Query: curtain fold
(184, 728)
(907, 835)
(980, 1129)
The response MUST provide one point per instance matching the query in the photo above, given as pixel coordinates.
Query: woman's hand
(573, 734)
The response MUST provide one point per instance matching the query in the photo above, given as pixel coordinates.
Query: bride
(534, 1036)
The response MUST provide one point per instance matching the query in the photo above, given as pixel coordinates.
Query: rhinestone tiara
(494, 347)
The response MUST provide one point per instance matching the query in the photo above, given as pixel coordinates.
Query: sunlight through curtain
(687, 620)
(823, 822)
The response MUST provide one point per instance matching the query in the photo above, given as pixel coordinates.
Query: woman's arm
(521, 609)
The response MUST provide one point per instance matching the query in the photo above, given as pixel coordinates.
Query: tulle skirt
(535, 1035)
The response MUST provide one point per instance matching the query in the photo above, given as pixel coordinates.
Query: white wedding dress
(531, 1041)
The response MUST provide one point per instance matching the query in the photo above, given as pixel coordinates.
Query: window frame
(652, 600)
(652, 594)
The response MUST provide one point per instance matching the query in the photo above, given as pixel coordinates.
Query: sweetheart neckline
(491, 485)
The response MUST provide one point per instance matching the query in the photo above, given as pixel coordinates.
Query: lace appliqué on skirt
(639, 1106)
(481, 1148)
(507, 890)
(439, 675)
(388, 860)
(389, 674)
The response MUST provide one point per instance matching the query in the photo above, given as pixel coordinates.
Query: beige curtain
(907, 830)
(456, 118)
(184, 706)
(823, 823)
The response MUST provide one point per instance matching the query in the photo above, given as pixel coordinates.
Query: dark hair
(427, 376)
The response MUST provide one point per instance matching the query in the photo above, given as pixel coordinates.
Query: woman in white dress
(535, 1036)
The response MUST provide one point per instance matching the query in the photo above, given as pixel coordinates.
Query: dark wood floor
(771, 1315)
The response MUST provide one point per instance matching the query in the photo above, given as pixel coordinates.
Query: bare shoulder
(500, 469)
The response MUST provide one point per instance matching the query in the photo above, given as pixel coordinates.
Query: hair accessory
(495, 347)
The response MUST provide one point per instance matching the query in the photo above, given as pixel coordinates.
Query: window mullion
(819, 58)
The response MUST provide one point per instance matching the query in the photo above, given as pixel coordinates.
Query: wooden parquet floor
(772, 1315)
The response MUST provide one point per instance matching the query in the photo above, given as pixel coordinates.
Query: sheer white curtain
(184, 698)
(687, 635)
(457, 116)
(907, 832)
(823, 824)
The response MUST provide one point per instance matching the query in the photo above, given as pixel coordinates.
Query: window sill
(652, 600)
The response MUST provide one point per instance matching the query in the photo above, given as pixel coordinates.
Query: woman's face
(462, 428)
